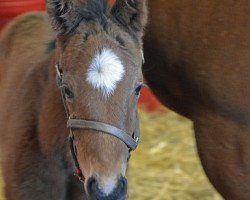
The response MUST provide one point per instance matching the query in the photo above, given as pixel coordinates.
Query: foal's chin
(106, 188)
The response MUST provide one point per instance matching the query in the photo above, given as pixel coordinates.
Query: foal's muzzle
(95, 191)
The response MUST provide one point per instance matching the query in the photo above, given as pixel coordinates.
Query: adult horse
(98, 60)
(197, 56)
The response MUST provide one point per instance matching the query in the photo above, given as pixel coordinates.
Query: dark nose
(95, 192)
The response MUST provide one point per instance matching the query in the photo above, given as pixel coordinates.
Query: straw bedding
(165, 166)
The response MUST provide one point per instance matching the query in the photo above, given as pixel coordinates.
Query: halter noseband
(131, 141)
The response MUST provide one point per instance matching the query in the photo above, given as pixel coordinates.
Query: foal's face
(100, 53)
(103, 78)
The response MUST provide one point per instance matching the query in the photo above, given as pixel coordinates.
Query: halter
(131, 141)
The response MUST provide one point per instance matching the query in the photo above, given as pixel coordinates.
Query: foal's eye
(137, 90)
(68, 93)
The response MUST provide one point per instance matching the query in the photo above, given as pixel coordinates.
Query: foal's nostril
(92, 186)
(122, 186)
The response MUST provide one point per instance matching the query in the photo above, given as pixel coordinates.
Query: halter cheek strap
(131, 141)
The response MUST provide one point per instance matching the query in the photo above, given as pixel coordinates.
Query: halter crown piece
(131, 141)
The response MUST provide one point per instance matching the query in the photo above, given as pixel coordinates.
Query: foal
(98, 57)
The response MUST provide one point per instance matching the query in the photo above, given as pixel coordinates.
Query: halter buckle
(136, 139)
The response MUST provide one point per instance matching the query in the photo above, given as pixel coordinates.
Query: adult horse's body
(197, 57)
(98, 57)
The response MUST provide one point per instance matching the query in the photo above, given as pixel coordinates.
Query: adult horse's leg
(224, 149)
(223, 143)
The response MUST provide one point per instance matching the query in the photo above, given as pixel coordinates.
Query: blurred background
(165, 166)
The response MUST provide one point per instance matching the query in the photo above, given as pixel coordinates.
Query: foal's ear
(132, 14)
(64, 14)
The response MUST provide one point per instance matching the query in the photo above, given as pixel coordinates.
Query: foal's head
(99, 51)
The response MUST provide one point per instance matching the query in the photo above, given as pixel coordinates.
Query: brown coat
(198, 63)
(36, 161)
